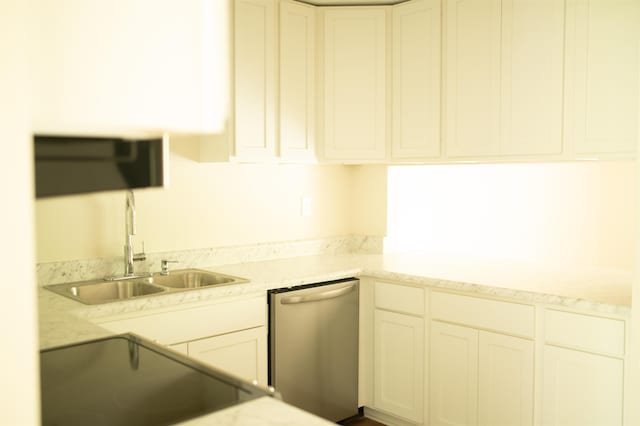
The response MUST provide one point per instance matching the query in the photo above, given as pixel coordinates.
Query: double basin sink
(104, 291)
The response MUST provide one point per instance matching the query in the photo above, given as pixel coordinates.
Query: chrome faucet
(130, 231)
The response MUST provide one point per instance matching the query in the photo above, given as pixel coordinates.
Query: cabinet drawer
(506, 317)
(595, 334)
(194, 322)
(399, 298)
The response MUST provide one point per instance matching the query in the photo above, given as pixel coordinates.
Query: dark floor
(360, 421)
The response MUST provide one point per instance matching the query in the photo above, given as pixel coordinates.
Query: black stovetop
(126, 380)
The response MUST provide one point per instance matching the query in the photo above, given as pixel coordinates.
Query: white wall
(19, 394)
(577, 213)
(368, 200)
(205, 205)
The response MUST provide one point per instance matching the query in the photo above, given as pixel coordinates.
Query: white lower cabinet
(505, 380)
(581, 389)
(243, 353)
(480, 378)
(398, 364)
(583, 370)
(454, 375)
(482, 361)
(228, 334)
(488, 362)
(398, 345)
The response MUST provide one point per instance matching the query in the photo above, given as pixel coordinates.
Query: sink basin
(92, 292)
(103, 291)
(194, 278)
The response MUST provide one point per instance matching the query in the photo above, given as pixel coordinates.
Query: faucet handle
(137, 257)
(164, 266)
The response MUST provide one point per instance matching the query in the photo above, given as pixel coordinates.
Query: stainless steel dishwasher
(313, 347)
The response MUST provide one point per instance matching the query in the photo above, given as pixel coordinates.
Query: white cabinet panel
(581, 389)
(192, 322)
(473, 65)
(586, 332)
(532, 76)
(354, 78)
(297, 81)
(602, 76)
(400, 298)
(506, 317)
(416, 80)
(480, 378)
(243, 353)
(454, 375)
(399, 364)
(505, 382)
(255, 79)
(504, 76)
(120, 66)
(230, 335)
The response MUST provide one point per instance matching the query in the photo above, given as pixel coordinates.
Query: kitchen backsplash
(78, 270)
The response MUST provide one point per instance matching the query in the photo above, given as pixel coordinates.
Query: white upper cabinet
(297, 82)
(416, 80)
(601, 87)
(532, 77)
(503, 77)
(255, 79)
(472, 77)
(119, 66)
(354, 80)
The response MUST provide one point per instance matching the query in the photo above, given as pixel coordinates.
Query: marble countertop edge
(266, 275)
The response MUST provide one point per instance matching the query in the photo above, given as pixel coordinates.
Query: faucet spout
(130, 231)
(130, 215)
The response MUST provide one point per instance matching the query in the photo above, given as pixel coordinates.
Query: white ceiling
(351, 2)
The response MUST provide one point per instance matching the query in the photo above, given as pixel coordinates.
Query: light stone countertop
(65, 321)
(263, 411)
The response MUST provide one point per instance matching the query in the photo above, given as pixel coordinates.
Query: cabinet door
(255, 78)
(398, 364)
(243, 353)
(505, 380)
(454, 375)
(601, 86)
(472, 77)
(416, 80)
(532, 77)
(129, 66)
(297, 81)
(354, 84)
(581, 389)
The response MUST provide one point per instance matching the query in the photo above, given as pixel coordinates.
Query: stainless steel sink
(194, 278)
(105, 291)
(96, 292)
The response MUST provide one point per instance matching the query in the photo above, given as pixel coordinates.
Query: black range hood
(66, 165)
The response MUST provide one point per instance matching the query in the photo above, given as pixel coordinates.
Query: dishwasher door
(313, 339)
